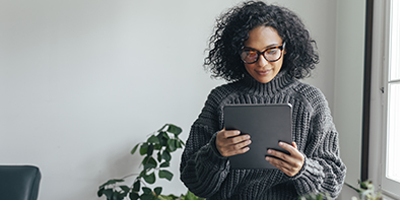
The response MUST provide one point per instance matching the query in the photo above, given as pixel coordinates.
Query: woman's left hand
(289, 164)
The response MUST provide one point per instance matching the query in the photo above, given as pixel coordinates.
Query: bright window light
(393, 150)
(393, 126)
(394, 73)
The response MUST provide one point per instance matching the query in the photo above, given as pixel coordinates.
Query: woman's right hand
(231, 143)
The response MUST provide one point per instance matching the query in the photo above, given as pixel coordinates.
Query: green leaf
(162, 197)
(151, 178)
(134, 148)
(100, 192)
(118, 196)
(153, 140)
(150, 150)
(158, 190)
(169, 197)
(125, 188)
(190, 196)
(178, 144)
(164, 164)
(174, 129)
(143, 149)
(157, 146)
(173, 196)
(165, 174)
(134, 196)
(163, 137)
(147, 197)
(166, 156)
(142, 174)
(162, 128)
(171, 145)
(149, 163)
(147, 190)
(159, 157)
(109, 193)
(136, 186)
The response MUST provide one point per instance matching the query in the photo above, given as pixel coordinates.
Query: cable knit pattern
(207, 174)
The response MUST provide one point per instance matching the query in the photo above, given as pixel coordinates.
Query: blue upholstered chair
(19, 182)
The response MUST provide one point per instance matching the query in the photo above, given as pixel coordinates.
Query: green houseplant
(366, 191)
(319, 196)
(156, 152)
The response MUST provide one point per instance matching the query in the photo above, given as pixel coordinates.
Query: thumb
(294, 145)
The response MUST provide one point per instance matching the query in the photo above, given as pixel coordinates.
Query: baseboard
(387, 196)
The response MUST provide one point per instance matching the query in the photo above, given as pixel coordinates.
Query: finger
(223, 135)
(232, 146)
(292, 160)
(238, 139)
(295, 158)
(235, 150)
(240, 151)
(294, 145)
(283, 166)
(230, 133)
(278, 163)
(238, 147)
(243, 144)
(283, 156)
(291, 149)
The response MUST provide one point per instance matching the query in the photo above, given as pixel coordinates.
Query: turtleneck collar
(280, 81)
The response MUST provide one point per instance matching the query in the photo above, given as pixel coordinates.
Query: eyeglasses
(272, 54)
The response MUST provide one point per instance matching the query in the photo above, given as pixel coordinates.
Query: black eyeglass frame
(281, 48)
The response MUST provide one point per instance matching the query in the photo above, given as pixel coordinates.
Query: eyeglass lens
(250, 56)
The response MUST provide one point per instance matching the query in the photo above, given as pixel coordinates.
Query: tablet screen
(267, 124)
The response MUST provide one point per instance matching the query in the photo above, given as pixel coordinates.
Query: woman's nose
(262, 61)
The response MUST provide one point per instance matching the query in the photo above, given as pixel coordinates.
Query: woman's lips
(263, 72)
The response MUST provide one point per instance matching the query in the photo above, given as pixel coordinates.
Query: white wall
(349, 76)
(319, 16)
(83, 81)
(348, 97)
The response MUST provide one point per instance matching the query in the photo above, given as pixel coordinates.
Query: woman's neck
(281, 80)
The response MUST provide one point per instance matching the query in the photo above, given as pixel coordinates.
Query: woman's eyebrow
(275, 45)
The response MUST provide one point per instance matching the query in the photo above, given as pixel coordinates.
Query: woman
(261, 50)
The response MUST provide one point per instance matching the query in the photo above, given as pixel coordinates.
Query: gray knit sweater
(207, 174)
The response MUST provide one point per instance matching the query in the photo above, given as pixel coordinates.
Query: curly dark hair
(232, 30)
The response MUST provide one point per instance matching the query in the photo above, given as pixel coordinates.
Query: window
(391, 168)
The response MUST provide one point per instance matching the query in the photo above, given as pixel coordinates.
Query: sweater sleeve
(323, 170)
(202, 167)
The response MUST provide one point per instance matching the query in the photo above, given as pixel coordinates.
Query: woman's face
(262, 38)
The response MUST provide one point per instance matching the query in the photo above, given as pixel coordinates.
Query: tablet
(267, 124)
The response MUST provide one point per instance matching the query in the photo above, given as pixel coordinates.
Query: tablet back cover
(267, 124)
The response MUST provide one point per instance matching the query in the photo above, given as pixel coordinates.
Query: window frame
(379, 99)
(388, 186)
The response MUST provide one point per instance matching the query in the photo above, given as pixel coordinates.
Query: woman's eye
(272, 51)
(251, 53)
